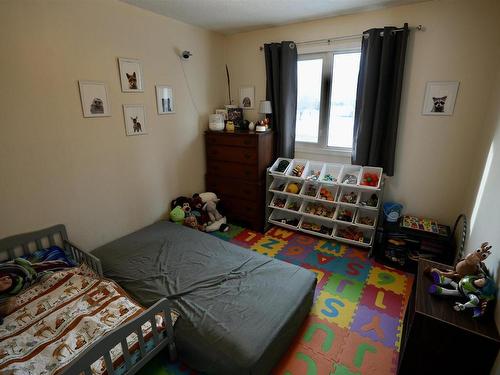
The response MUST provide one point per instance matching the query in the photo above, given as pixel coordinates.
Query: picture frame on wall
(247, 97)
(164, 99)
(94, 98)
(135, 119)
(131, 78)
(440, 98)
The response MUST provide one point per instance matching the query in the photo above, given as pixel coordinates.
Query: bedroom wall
(435, 155)
(58, 167)
(483, 208)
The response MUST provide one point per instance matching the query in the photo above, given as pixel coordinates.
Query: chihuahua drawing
(97, 106)
(132, 81)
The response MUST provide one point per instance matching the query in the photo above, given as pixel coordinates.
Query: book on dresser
(236, 172)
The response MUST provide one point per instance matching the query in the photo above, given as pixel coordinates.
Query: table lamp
(265, 109)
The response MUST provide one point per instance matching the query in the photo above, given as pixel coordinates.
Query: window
(326, 99)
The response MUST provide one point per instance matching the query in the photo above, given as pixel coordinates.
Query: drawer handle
(247, 155)
(246, 142)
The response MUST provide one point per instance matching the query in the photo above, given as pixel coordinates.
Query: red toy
(370, 179)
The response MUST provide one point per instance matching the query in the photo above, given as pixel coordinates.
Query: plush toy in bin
(198, 212)
(470, 280)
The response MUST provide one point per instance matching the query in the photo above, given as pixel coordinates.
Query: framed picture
(131, 75)
(222, 112)
(247, 97)
(440, 98)
(94, 97)
(164, 99)
(236, 116)
(135, 119)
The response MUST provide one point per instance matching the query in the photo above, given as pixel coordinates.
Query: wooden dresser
(236, 172)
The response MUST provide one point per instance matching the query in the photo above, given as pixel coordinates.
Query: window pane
(308, 100)
(344, 85)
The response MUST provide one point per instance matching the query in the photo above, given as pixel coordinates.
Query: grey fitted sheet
(239, 309)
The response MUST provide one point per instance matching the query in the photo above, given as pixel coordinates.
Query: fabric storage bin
(285, 219)
(368, 199)
(293, 203)
(373, 173)
(319, 209)
(353, 234)
(293, 187)
(330, 173)
(317, 226)
(275, 166)
(348, 196)
(295, 165)
(366, 218)
(345, 214)
(278, 185)
(352, 170)
(313, 170)
(278, 201)
(309, 190)
(327, 193)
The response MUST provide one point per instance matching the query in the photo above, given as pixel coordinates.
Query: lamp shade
(265, 107)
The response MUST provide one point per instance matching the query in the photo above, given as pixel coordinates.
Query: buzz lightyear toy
(478, 289)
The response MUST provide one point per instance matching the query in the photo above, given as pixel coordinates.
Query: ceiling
(233, 16)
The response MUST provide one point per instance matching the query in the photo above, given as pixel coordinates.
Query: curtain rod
(329, 40)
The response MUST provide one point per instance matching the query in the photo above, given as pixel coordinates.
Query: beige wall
(58, 167)
(434, 154)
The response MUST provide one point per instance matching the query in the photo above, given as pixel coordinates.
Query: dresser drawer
(228, 187)
(235, 170)
(242, 210)
(232, 154)
(241, 140)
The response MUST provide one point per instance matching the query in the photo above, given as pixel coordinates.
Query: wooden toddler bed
(74, 321)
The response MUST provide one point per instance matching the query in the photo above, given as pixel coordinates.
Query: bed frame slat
(109, 364)
(154, 330)
(140, 338)
(126, 354)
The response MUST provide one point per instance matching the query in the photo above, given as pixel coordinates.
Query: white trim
(313, 149)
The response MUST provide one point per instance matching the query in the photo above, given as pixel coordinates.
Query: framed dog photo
(164, 99)
(94, 97)
(135, 119)
(131, 75)
(440, 98)
(247, 97)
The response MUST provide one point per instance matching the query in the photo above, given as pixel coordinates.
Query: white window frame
(321, 147)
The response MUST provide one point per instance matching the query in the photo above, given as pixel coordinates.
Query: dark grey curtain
(281, 90)
(378, 97)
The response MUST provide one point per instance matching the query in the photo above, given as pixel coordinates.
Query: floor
(355, 323)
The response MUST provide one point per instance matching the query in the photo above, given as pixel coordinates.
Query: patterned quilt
(57, 319)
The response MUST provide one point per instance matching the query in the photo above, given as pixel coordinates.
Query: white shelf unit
(325, 206)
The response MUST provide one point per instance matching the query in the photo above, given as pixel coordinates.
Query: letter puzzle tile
(345, 287)
(302, 360)
(331, 247)
(280, 233)
(334, 309)
(382, 300)
(247, 238)
(364, 356)
(388, 279)
(294, 253)
(268, 246)
(233, 231)
(352, 268)
(376, 325)
(322, 337)
(321, 275)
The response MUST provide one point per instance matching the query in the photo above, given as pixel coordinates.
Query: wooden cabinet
(436, 339)
(236, 172)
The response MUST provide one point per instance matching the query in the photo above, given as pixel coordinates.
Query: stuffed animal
(211, 209)
(177, 215)
(472, 264)
(477, 289)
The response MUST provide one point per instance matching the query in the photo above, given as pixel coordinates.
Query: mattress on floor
(239, 309)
